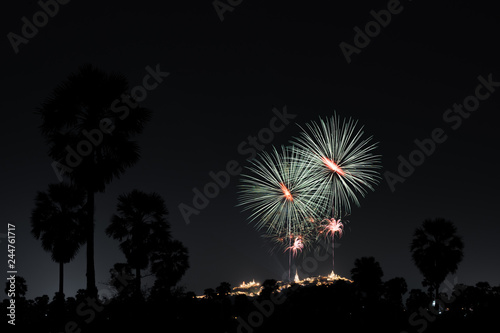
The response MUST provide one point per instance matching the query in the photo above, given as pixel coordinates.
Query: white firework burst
(279, 192)
(339, 161)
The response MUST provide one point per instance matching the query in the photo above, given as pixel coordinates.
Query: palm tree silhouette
(436, 250)
(139, 226)
(57, 220)
(367, 276)
(88, 122)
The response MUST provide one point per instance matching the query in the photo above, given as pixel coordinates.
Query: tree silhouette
(57, 220)
(41, 304)
(140, 226)
(394, 289)
(80, 295)
(436, 250)
(367, 276)
(169, 262)
(209, 293)
(268, 287)
(88, 122)
(21, 287)
(416, 299)
(121, 277)
(223, 289)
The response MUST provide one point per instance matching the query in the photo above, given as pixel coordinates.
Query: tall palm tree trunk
(436, 304)
(61, 278)
(91, 287)
(60, 295)
(138, 282)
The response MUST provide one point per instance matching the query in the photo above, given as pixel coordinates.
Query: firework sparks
(281, 241)
(341, 163)
(297, 246)
(278, 192)
(332, 227)
(332, 166)
(289, 192)
(286, 192)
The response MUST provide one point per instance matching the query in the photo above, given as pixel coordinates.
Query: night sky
(226, 77)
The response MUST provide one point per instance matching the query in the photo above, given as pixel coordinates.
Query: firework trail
(331, 228)
(296, 247)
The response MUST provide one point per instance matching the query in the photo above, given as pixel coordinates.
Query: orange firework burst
(332, 166)
(286, 192)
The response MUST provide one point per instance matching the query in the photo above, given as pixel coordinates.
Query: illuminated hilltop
(254, 288)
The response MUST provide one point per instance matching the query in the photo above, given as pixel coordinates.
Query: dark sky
(225, 79)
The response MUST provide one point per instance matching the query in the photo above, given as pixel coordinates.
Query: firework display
(340, 161)
(299, 193)
(329, 229)
(279, 192)
(297, 246)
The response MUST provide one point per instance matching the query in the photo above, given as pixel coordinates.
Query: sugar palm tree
(140, 225)
(436, 250)
(57, 220)
(88, 122)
